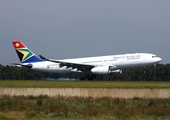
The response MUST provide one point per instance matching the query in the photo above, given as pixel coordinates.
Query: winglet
(42, 57)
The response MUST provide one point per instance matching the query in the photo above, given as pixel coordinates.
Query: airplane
(87, 65)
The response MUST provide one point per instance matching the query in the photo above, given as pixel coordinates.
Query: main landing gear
(144, 70)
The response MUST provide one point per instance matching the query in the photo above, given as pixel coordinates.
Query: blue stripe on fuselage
(33, 59)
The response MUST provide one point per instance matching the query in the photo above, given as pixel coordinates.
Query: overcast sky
(82, 28)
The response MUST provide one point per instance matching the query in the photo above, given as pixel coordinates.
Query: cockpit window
(154, 56)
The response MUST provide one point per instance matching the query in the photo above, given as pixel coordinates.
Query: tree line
(159, 72)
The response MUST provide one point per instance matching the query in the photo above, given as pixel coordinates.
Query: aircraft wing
(79, 66)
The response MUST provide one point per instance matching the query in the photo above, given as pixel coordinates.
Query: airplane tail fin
(25, 55)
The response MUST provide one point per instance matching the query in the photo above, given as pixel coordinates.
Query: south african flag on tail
(25, 55)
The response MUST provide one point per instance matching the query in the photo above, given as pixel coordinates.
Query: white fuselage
(116, 62)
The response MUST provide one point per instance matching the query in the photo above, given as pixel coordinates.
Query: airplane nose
(159, 59)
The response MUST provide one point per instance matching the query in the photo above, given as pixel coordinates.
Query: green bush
(79, 106)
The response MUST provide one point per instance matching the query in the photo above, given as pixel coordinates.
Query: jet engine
(115, 71)
(100, 70)
(104, 70)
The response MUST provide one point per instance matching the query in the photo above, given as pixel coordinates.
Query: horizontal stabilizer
(21, 65)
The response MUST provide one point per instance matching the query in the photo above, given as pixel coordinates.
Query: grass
(80, 108)
(82, 84)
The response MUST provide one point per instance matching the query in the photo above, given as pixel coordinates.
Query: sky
(60, 29)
